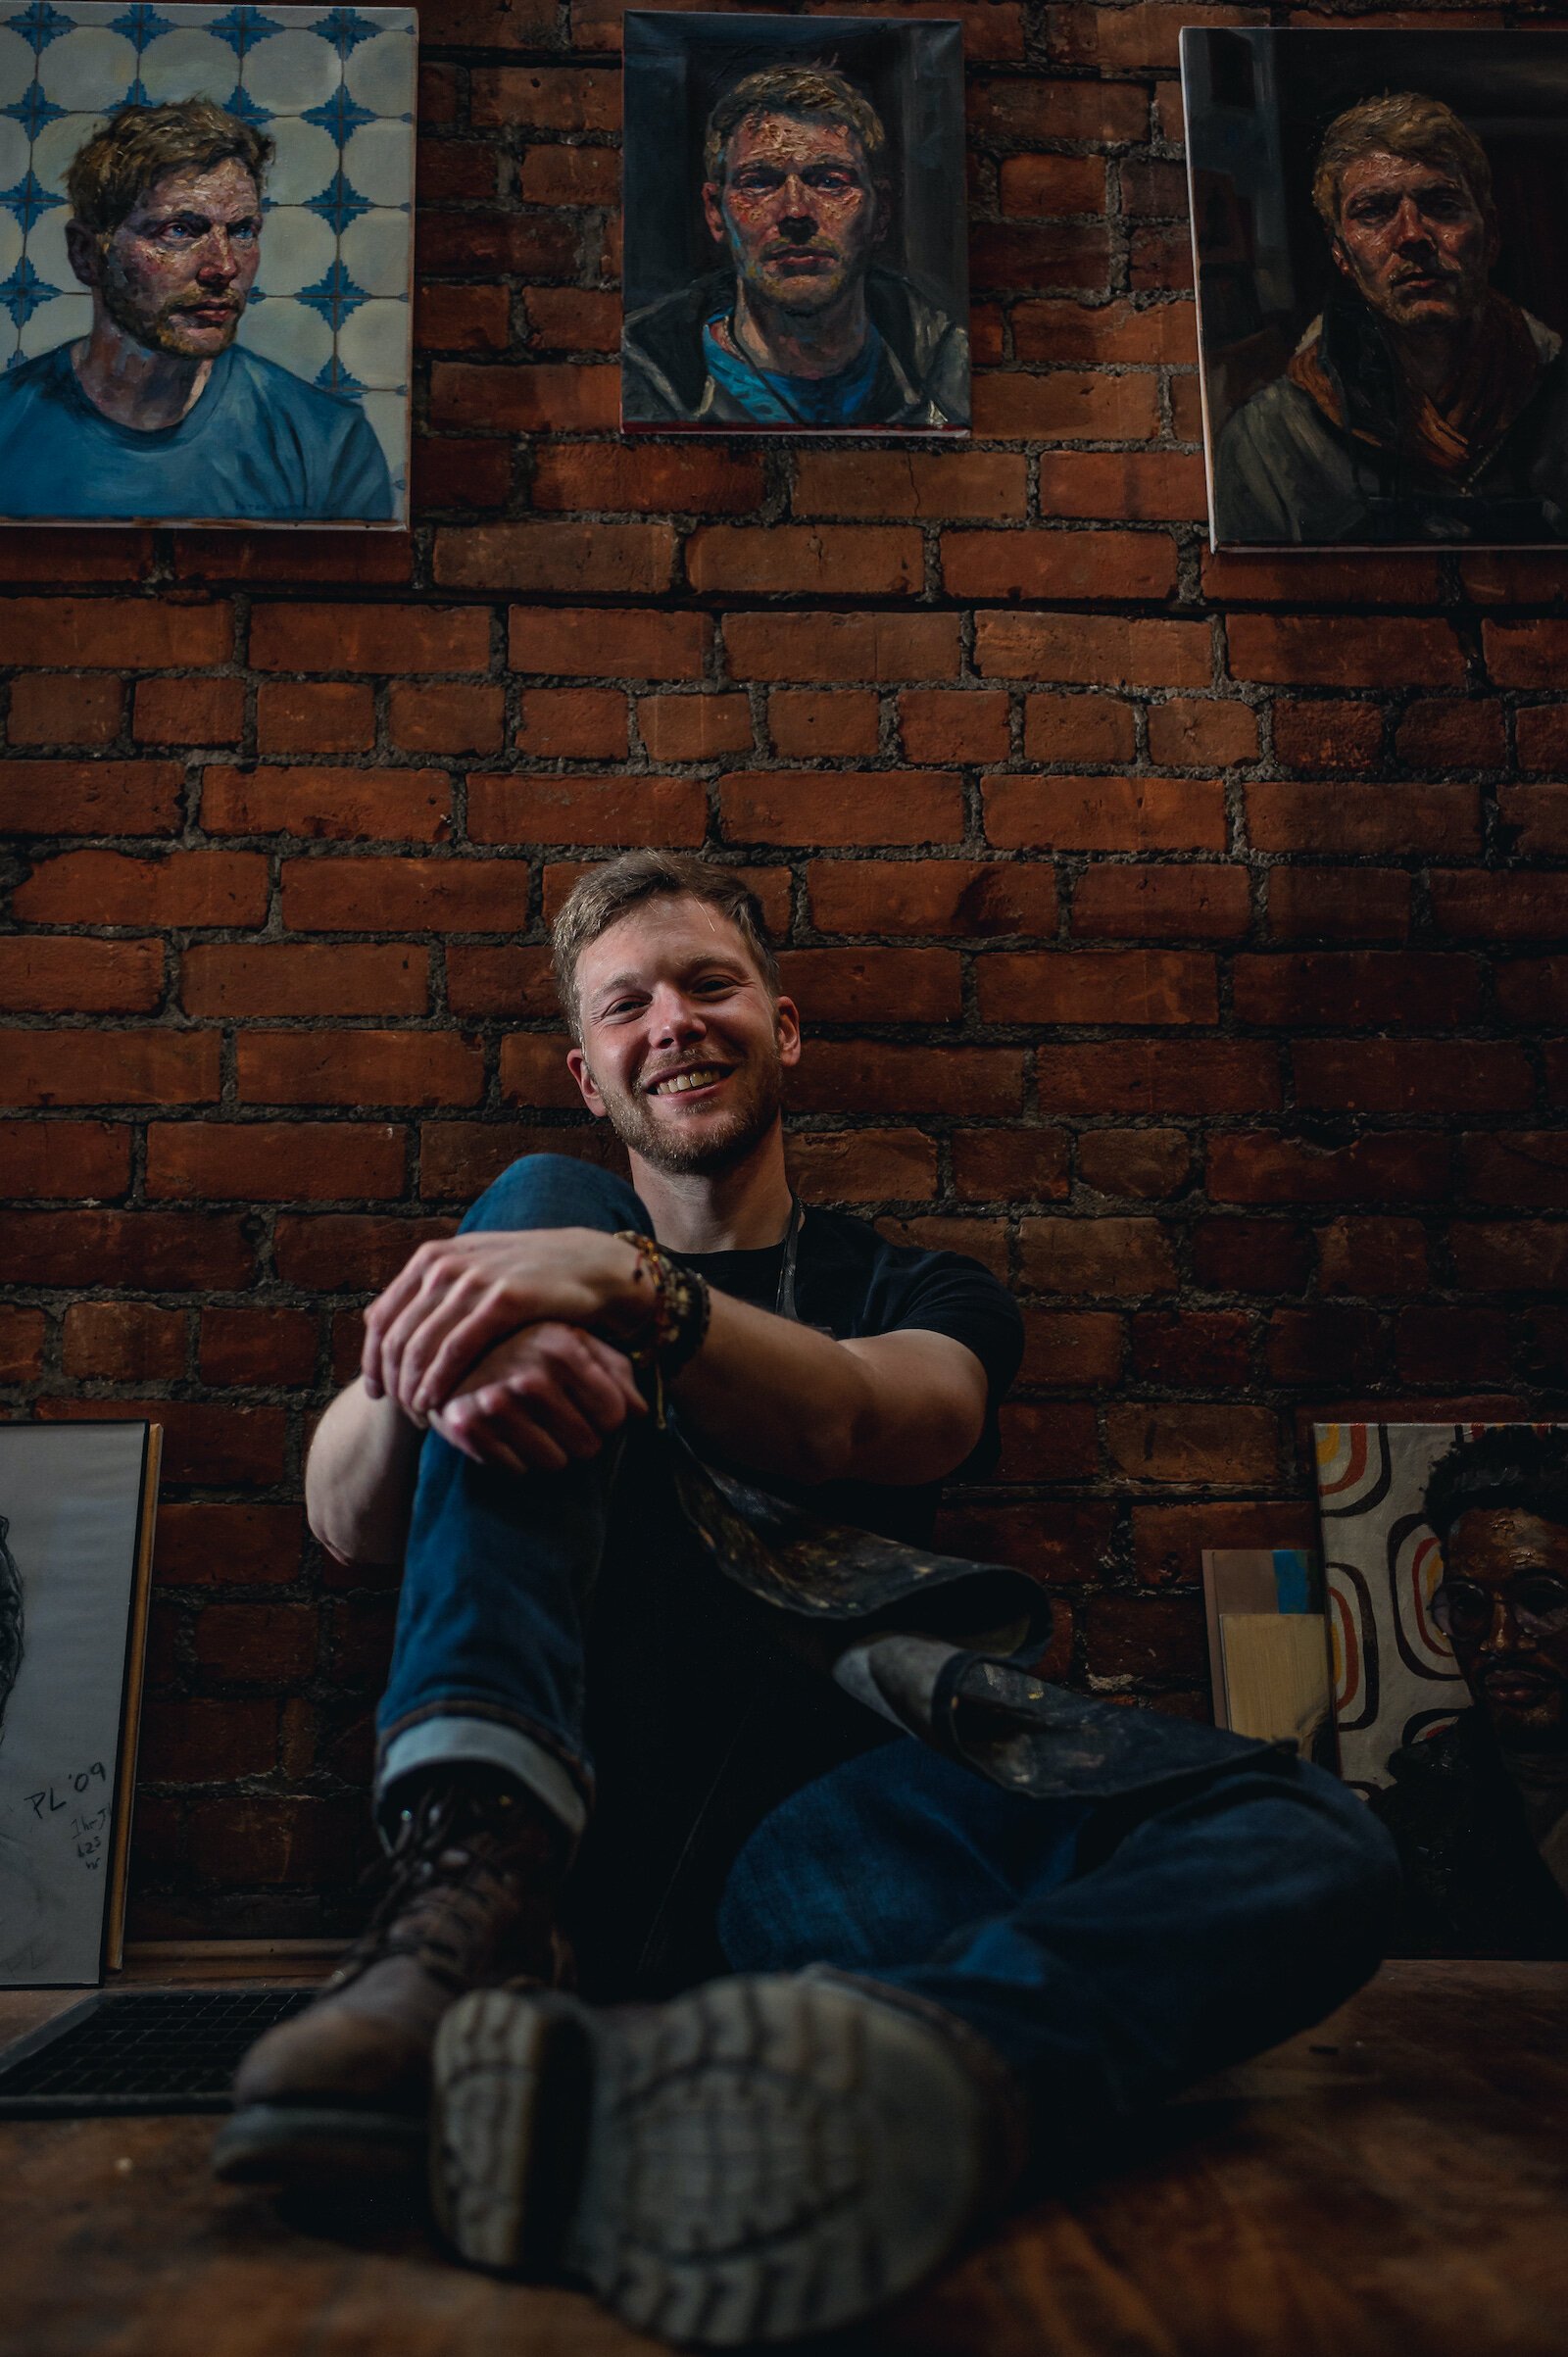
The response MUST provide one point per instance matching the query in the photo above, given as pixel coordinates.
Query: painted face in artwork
(796, 210)
(1413, 241)
(683, 1050)
(177, 274)
(1503, 1602)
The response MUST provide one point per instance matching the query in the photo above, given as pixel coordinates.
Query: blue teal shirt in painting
(260, 444)
(775, 399)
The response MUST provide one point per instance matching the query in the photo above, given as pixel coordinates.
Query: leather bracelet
(681, 1308)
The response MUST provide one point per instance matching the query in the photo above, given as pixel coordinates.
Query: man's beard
(713, 1146)
(1462, 304)
(152, 330)
(801, 297)
(1455, 310)
(1538, 1728)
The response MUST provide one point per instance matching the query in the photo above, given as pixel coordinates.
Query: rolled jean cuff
(433, 1741)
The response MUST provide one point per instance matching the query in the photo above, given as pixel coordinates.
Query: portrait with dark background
(1259, 103)
(679, 66)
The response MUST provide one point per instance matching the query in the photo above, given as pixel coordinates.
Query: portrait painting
(77, 1505)
(1382, 265)
(796, 258)
(206, 237)
(1446, 1567)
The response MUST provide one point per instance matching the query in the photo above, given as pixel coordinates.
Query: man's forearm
(796, 1404)
(359, 1476)
(774, 1396)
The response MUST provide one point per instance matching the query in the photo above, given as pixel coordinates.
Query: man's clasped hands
(497, 1342)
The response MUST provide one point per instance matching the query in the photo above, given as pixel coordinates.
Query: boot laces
(455, 1890)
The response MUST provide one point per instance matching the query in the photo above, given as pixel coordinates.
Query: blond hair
(1401, 122)
(810, 91)
(110, 171)
(599, 899)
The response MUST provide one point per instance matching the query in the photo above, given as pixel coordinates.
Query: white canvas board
(70, 1496)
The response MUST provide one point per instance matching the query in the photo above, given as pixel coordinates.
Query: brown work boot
(763, 2158)
(342, 2090)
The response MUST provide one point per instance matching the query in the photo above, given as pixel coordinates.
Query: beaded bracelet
(681, 1308)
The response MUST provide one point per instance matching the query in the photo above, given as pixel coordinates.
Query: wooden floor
(1394, 2183)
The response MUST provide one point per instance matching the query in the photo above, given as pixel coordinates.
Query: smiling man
(803, 328)
(157, 412)
(1480, 1811)
(870, 1976)
(1423, 404)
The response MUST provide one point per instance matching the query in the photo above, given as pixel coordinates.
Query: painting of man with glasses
(1447, 1569)
(1480, 1811)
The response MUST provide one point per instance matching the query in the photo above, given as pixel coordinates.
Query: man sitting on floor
(933, 1974)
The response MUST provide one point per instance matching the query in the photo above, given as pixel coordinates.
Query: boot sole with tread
(763, 2158)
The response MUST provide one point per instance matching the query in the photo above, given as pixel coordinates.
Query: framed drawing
(796, 257)
(206, 246)
(1381, 286)
(76, 1509)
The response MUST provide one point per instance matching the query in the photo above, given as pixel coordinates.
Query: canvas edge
(140, 1605)
(1219, 1694)
(1190, 35)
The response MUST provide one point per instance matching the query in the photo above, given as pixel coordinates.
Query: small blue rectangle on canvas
(1295, 1580)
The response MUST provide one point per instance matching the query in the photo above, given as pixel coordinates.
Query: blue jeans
(1108, 1973)
(499, 1574)
(1110, 1952)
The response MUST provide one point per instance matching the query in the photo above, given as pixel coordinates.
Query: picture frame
(78, 1509)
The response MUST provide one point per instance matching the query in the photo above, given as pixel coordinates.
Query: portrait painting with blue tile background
(333, 91)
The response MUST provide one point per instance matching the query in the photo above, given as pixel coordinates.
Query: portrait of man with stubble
(803, 290)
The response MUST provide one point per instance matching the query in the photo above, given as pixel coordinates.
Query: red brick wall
(1182, 934)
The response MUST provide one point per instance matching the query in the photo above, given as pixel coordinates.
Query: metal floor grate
(144, 2051)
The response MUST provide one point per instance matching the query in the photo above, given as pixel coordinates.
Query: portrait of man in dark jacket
(804, 327)
(1422, 404)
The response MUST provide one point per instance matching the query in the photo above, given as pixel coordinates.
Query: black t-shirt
(849, 1282)
(700, 1720)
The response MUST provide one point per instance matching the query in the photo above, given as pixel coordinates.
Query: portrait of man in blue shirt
(156, 413)
(802, 326)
